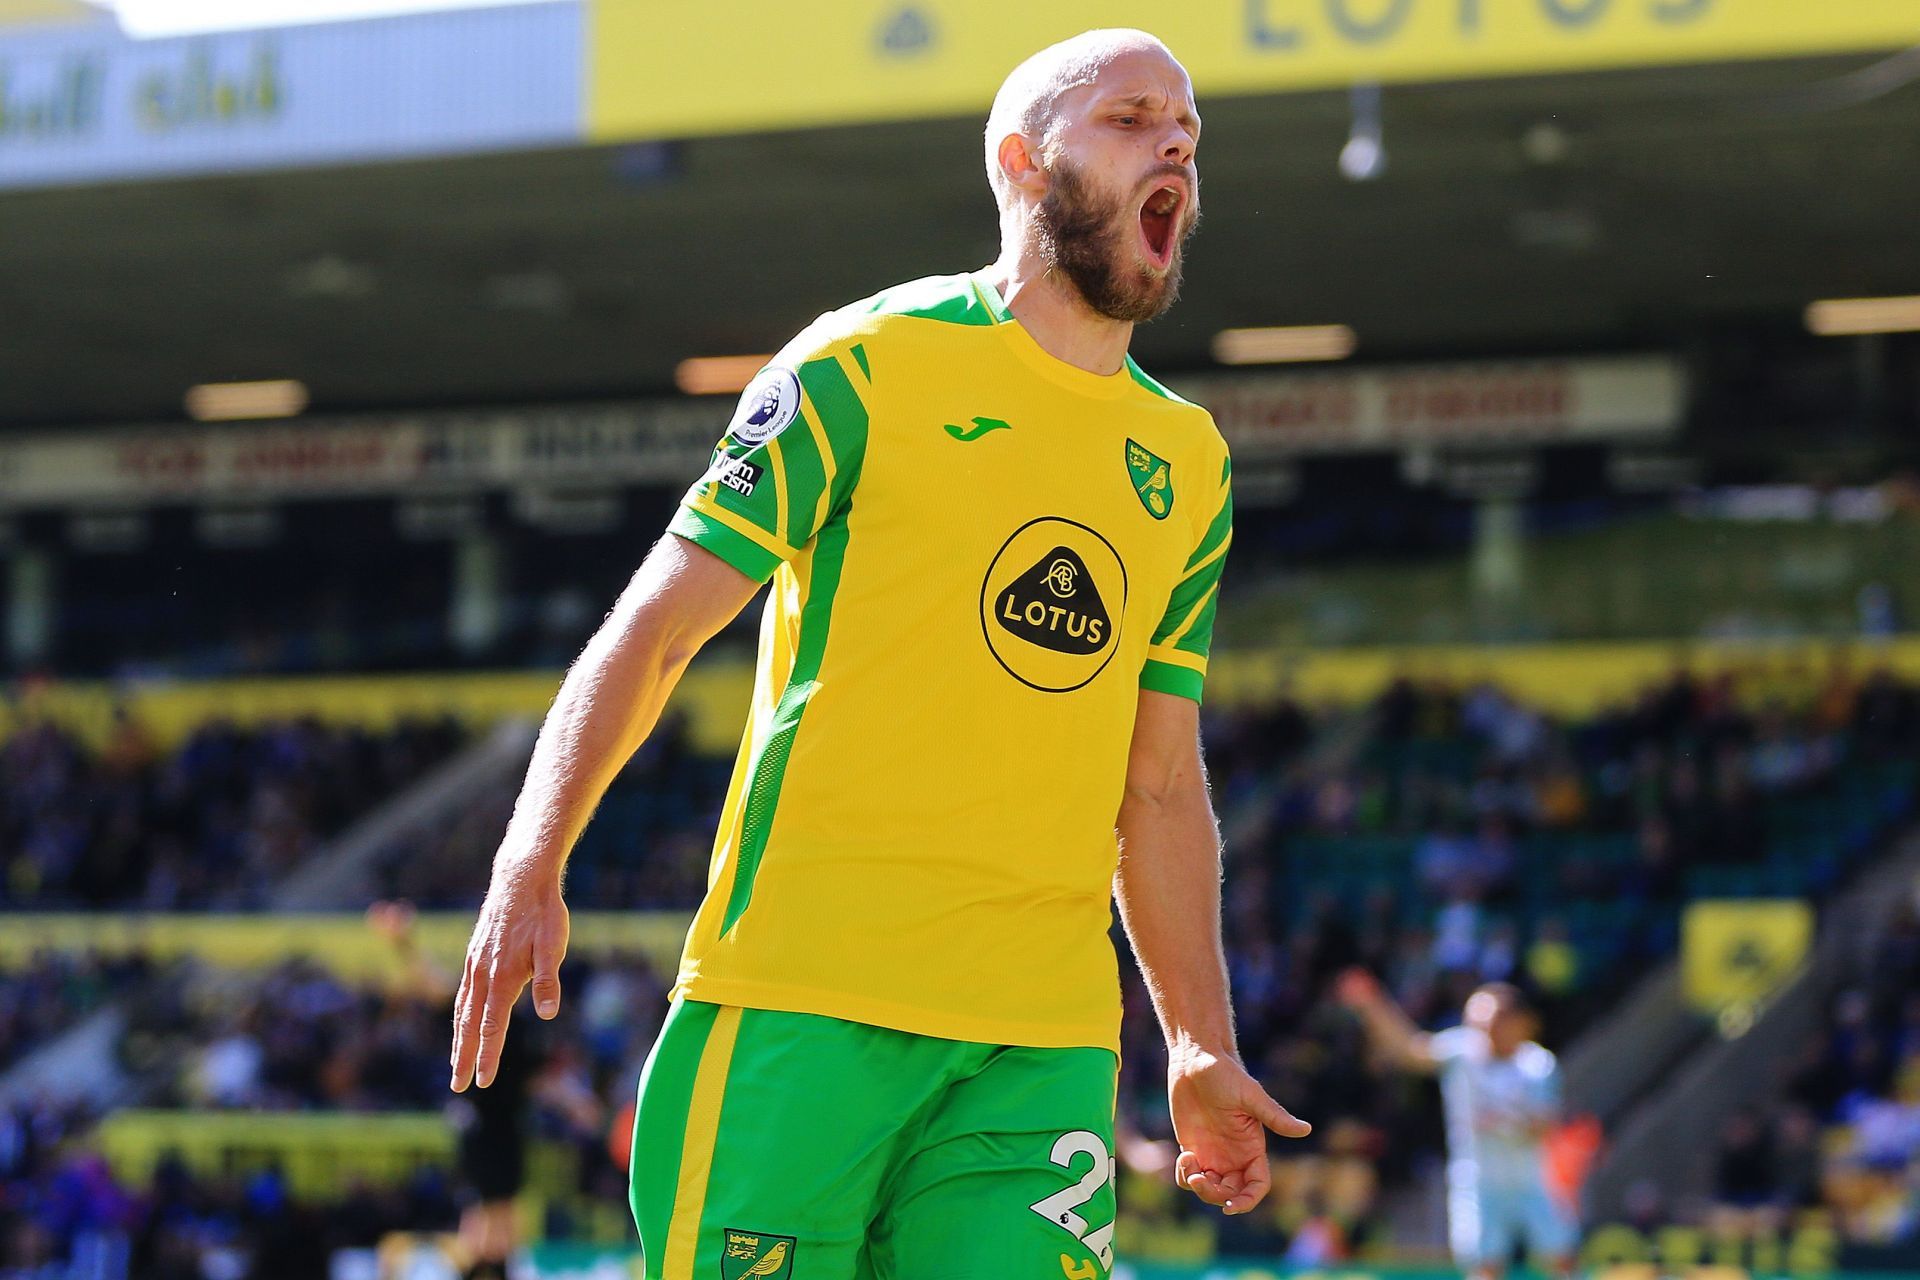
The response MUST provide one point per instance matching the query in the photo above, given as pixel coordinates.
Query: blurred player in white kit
(1501, 1094)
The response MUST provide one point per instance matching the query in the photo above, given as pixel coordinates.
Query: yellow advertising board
(1737, 952)
(669, 68)
(1567, 679)
(320, 1154)
(341, 943)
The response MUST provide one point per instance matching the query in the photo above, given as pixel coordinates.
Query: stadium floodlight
(1289, 344)
(717, 375)
(237, 401)
(1840, 317)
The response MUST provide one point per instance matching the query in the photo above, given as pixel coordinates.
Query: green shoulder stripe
(1199, 637)
(1216, 532)
(952, 299)
(844, 416)
(1153, 384)
(804, 473)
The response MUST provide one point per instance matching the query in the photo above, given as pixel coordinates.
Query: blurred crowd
(53, 990)
(647, 848)
(1849, 1134)
(1440, 835)
(64, 1212)
(299, 1039)
(212, 823)
(1447, 836)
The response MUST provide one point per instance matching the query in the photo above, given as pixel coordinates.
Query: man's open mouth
(1159, 215)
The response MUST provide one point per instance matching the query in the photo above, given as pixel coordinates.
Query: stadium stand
(209, 824)
(1849, 1138)
(1440, 834)
(1586, 433)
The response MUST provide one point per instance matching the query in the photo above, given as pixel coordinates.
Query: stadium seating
(1440, 834)
(1858, 1085)
(208, 824)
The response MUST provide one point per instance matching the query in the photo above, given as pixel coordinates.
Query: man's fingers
(1277, 1117)
(501, 993)
(1187, 1173)
(546, 981)
(1208, 1188)
(1252, 1190)
(466, 1012)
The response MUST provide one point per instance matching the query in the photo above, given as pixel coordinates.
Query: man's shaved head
(1029, 98)
(1090, 152)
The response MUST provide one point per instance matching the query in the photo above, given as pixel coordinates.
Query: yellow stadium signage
(341, 943)
(660, 70)
(1735, 953)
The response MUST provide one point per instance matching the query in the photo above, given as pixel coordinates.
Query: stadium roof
(1576, 212)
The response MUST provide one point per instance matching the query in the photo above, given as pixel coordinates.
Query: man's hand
(1357, 988)
(521, 936)
(1221, 1116)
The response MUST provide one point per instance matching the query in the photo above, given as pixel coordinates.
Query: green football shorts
(773, 1145)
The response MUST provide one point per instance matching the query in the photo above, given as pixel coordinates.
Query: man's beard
(1084, 236)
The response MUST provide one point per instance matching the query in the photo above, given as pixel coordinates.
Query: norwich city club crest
(756, 1254)
(1152, 478)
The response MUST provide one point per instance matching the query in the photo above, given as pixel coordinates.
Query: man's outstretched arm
(1389, 1029)
(678, 598)
(1168, 887)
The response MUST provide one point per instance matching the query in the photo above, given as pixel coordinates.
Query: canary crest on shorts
(756, 1255)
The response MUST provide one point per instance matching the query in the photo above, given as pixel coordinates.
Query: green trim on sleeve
(844, 417)
(1216, 532)
(1199, 637)
(1186, 598)
(805, 475)
(738, 550)
(1165, 677)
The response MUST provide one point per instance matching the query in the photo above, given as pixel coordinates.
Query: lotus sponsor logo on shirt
(1055, 605)
(1052, 604)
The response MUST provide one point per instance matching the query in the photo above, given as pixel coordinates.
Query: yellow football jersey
(980, 554)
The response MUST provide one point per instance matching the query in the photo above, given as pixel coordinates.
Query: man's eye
(1126, 120)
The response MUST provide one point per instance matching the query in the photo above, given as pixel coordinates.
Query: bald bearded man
(995, 545)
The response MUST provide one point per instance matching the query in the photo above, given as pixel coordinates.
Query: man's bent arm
(1168, 887)
(607, 705)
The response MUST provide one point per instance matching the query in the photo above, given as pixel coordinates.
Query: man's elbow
(1149, 791)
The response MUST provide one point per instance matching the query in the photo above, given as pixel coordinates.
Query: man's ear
(1020, 164)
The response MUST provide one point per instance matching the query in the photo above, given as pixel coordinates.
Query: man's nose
(1177, 147)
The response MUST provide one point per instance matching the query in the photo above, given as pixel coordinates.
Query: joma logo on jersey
(1053, 603)
(756, 1254)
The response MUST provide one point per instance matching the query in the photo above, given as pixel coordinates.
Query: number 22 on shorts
(1059, 1208)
